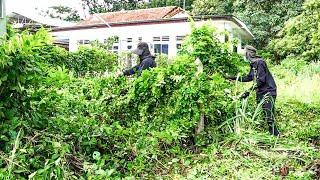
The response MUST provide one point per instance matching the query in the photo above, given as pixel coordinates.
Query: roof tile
(132, 15)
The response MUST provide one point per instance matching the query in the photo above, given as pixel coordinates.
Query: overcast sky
(29, 6)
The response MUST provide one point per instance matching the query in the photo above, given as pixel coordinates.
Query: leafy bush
(300, 37)
(162, 60)
(85, 60)
(21, 67)
(92, 60)
(214, 55)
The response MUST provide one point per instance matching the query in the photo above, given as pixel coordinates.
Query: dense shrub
(20, 68)
(301, 35)
(86, 60)
(214, 55)
(162, 60)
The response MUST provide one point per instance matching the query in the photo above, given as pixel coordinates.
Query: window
(115, 49)
(179, 46)
(156, 38)
(116, 39)
(140, 39)
(226, 38)
(129, 39)
(157, 48)
(235, 49)
(1, 9)
(165, 38)
(180, 38)
(165, 49)
(83, 42)
(161, 48)
(129, 47)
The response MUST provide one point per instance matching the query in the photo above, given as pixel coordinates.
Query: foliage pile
(301, 36)
(111, 126)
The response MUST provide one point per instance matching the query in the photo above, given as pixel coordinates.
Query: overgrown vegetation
(59, 120)
(117, 127)
(300, 38)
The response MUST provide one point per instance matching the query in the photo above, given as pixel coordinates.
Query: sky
(30, 6)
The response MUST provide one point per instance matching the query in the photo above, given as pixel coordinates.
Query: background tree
(180, 3)
(213, 7)
(96, 6)
(300, 38)
(265, 18)
(63, 13)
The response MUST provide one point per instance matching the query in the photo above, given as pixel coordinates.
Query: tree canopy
(265, 18)
(63, 13)
(300, 38)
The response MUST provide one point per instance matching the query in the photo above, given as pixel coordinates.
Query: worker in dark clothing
(147, 61)
(266, 89)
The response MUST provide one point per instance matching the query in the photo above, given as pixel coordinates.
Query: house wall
(3, 21)
(147, 33)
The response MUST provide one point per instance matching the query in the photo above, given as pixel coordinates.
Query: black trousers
(268, 107)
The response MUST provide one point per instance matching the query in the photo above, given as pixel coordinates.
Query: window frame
(235, 49)
(129, 40)
(180, 38)
(178, 46)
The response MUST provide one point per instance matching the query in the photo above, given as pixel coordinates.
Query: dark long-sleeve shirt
(264, 80)
(146, 63)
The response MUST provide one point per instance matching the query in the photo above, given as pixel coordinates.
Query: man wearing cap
(266, 89)
(146, 60)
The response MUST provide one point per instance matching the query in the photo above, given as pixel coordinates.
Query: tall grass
(300, 84)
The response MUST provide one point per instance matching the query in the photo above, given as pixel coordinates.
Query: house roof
(233, 19)
(132, 15)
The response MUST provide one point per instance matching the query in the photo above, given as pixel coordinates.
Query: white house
(163, 28)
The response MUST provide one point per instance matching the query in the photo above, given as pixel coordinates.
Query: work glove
(244, 95)
(119, 73)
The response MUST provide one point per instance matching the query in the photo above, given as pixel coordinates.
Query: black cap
(142, 46)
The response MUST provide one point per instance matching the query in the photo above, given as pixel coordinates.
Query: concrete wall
(146, 32)
(3, 20)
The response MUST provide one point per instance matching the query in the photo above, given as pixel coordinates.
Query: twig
(15, 147)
